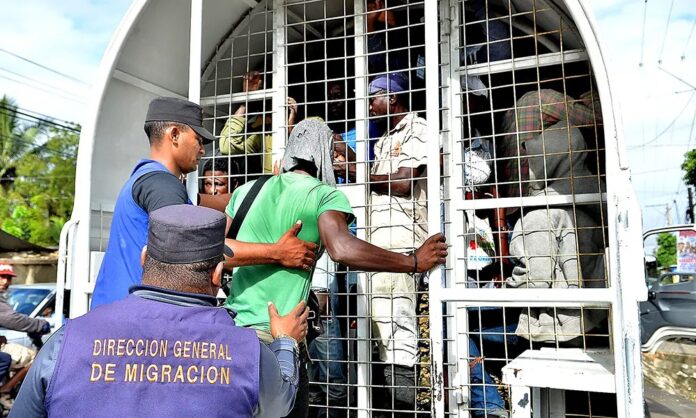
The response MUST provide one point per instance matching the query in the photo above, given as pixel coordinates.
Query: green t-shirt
(281, 202)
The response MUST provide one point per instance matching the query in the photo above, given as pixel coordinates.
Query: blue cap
(172, 109)
(392, 83)
(183, 234)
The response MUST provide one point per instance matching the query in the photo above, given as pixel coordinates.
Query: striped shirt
(400, 223)
(536, 111)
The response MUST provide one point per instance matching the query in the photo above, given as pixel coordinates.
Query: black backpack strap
(244, 207)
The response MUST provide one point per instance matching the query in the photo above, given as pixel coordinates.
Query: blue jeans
(5, 362)
(484, 394)
(328, 367)
(328, 361)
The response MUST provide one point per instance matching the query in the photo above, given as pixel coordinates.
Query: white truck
(521, 122)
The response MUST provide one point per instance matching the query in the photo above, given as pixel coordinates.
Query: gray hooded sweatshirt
(558, 246)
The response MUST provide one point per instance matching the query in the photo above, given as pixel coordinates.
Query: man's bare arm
(289, 251)
(217, 202)
(399, 183)
(343, 247)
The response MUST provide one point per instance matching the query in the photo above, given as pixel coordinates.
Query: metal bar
(65, 246)
(364, 348)
(222, 47)
(624, 235)
(528, 297)
(307, 26)
(534, 61)
(529, 201)
(673, 228)
(459, 376)
(145, 85)
(432, 110)
(195, 44)
(194, 90)
(234, 98)
(279, 77)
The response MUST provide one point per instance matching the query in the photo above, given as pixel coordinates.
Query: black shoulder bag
(244, 207)
(314, 325)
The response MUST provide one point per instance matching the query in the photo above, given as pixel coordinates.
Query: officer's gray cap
(183, 234)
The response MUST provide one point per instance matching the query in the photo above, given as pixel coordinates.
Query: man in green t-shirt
(305, 192)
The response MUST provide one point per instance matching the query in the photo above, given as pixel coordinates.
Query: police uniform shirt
(278, 369)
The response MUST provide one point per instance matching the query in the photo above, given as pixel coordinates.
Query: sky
(657, 109)
(649, 45)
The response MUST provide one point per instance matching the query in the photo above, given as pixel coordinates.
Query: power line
(46, 119)
(691, 131)
(33, 119)
(35, 177)
(664, 38)
(663, 146)
(676, 76)
(41, 89)
(664, 131)
(44, 67)
(43, 115)
(39, 147)
(691, 32)
(657, 170)
(642, 38)
(41, 82)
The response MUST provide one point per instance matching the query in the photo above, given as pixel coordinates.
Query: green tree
(17, 137)
(666, 252)
(39, 201)
(689, 168)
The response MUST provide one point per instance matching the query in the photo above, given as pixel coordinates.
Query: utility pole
(690, 209)
(668, 211)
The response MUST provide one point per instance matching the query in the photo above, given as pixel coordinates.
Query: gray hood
(555, 157)
(311, 140)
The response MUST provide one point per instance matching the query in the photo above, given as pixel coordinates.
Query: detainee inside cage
(520, 189)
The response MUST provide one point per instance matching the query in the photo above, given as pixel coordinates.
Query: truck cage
(531, 196)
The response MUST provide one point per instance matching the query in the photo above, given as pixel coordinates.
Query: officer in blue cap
(166, 349)
(174, 128)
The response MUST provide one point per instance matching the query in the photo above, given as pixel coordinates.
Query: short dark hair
(155, 129)
(180, 277)
(225, 164)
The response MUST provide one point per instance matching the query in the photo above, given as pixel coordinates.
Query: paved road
(666, 405)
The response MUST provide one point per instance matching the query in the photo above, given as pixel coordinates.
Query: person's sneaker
(492, 413)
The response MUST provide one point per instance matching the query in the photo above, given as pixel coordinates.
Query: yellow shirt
(233, 140)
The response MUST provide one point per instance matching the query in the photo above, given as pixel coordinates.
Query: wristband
(415, 263)
(294, 341)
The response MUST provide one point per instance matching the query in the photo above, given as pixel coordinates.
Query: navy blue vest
(121, 267)
(138, 357)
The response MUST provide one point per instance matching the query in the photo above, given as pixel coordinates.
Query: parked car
(671, 303)
(35, 301)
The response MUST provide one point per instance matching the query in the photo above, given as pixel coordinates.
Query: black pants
(401, 381)
(5, 362)
(301, 407)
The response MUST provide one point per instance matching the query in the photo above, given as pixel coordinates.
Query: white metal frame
(624, 234)
(627, 276)
(359, 199)
(432, 112)
(620, 297)
(194, 88)
(78, 266)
